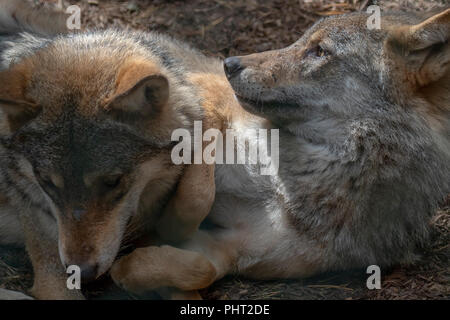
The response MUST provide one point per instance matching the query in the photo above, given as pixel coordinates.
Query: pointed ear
(140, 91)
(425, 48)
(13, 103)
(148, 96)
(18, 113)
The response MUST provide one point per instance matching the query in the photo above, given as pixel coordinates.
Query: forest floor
(231, 27)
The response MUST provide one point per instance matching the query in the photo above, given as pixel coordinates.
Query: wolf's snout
(85, 260)
(89, 271)
(232, 66)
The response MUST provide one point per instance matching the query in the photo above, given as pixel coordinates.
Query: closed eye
(112, 182)
(111, 186)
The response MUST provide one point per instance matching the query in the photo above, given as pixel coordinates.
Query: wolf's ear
(140, 91)
(148, 96)
(18, 112)
(13, 104)
(425, 48)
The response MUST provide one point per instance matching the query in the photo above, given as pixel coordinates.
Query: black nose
(232, 66)
(88, 272)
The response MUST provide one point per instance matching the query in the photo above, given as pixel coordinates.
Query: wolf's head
(340, 71)
(91, 117)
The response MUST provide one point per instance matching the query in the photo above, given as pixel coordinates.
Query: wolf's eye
(318, 51)
(113, 181)
(321, 52)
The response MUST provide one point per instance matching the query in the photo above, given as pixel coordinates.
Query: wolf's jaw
(249, 105)
(245, 100)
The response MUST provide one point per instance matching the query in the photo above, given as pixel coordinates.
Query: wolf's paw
(151, 268)
(133, 272)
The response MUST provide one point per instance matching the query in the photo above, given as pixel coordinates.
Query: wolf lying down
(85, 168)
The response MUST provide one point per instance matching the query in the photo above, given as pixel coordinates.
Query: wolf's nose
(88, 272)
(232, 66)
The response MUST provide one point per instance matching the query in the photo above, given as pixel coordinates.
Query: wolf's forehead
(89, 144)
(341, 28)
(343, 34)
(79, 78)
(362, 25)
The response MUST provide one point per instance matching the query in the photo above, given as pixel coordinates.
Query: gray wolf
(364, 119)
(86, 122)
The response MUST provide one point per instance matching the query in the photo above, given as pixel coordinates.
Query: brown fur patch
(13, 98)
(14, 82)
(219, 101)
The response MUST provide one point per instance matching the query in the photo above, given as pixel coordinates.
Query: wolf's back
(20, 15)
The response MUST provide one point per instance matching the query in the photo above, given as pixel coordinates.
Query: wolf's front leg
(190, 205)
(50, 278)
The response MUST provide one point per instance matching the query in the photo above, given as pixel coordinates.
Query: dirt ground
(225, 28)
